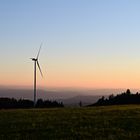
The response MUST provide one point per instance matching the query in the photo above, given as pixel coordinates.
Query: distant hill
(28, 94)
(85, 100)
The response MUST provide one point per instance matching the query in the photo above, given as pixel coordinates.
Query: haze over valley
(70, 97)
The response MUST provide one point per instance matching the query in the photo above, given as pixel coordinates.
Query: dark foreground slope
(97, 123)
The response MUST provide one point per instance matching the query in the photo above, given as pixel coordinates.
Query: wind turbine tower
(36, 63)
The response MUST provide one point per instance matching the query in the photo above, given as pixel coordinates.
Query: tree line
(120, 99)
(11, 103)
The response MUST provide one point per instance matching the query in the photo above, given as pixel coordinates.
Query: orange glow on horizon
(93, 78)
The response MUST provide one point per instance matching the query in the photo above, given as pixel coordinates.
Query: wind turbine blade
(39, 68)
(39, 51)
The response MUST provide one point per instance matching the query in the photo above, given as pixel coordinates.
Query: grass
(96, 123)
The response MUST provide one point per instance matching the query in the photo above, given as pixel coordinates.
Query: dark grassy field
(96, 123)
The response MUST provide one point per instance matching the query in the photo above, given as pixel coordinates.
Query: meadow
(95, 123)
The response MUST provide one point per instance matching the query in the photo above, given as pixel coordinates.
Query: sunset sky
(86, 43)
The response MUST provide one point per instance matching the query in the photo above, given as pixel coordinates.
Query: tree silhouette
(80, 103)
(7, 103)
(120, 99)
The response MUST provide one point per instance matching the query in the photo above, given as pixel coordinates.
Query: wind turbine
(36, 62)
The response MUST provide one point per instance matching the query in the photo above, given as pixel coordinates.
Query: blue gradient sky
(86, 43)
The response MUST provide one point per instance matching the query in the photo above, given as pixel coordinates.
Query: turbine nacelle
(33, 59)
